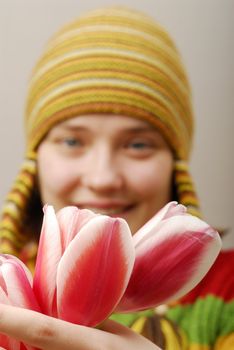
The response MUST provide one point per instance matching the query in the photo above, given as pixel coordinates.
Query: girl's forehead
(108, 125)
(117, 122)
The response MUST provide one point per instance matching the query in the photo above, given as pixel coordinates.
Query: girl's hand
(48, 333)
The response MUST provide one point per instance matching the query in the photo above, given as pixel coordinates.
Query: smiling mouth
(111, 211)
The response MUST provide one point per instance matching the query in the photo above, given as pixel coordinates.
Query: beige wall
(203, 30)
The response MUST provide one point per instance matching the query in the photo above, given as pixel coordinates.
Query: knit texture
(116, 62)
(110, 61)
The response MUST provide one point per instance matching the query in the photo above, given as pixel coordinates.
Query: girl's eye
(139, 148)
(71, 146)
(138, 145)
(72, 142)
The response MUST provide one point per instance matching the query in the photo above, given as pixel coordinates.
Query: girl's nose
(102, 173)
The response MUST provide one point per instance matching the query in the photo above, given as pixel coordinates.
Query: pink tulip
(88, 265)
(15, 290)
(174, 251)
(83, 265)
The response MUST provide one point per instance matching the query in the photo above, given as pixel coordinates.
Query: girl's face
(113, 165)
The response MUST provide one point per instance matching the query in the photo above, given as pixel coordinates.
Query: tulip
(174, 251)
(89, 265)
(15, 290)
(83, 265)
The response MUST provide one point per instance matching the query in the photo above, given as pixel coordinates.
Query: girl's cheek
(62, 178)
(157, 174)
(143, 176)
(54, 173)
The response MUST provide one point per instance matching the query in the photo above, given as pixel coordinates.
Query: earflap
(13, 229)
(184, 188)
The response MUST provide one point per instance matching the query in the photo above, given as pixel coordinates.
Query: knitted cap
(111, 61)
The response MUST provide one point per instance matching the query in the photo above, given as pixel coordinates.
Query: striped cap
(110, 61)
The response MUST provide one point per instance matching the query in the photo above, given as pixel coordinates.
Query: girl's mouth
(107, 210)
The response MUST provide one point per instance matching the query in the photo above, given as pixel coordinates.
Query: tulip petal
(27, 347)
(49, 254)
(15, 290)
(3, 297)
(9, 343)
(170, 263)
(71, 220)
(16, 286)
(7, 257)
(169, 210)
(94, 271)
(5, 341)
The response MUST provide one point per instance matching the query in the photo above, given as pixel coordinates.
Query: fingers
(47, 333)
(113, 327)
(126, 338)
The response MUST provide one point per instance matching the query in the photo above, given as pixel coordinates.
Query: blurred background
(203, 31)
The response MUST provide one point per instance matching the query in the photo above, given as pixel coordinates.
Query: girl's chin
(134, 218)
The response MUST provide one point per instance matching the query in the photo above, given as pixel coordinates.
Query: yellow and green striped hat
(115, 61)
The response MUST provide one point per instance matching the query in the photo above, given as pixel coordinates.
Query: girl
(109, 127)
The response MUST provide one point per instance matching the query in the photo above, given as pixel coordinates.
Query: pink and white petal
(8, 257)
(3, 297)
(5, 341)
(71, 220)
(49, 254)
(210, 250)
(18, 288)
(150, 228)
(27, 347)
(94, 271)
(170, 264)
(8, 343)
